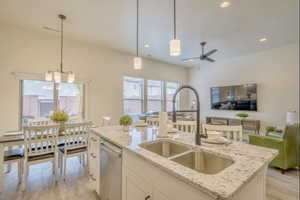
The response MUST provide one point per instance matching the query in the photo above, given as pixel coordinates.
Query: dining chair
(230, 132)
(15, 155)
(39, 122)
(40, 146)
(75, 144)
(151, 121)
(106, 121)
(185, 126)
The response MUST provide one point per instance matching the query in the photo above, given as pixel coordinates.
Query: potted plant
(126, 121)
(242, 115)
(60, 117)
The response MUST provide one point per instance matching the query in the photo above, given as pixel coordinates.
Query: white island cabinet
(144, 181)
(147, 175)
(94, 162)
(152, 183)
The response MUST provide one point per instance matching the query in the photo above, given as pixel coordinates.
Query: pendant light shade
(138, 63)
(48, 76)
(175, 48)
(71, 77)
(57, 77)
(175, 44)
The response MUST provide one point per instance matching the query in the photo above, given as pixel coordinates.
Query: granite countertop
(248, 159)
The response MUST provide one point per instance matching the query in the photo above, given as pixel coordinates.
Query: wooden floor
(40, 186)
(282, 187)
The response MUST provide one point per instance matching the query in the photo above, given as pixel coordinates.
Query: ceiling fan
(203, 56)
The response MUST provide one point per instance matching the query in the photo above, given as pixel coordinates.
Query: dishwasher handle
(110, 148)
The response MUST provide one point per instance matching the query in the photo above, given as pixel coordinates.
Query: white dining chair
(40, 146)
(230, 132)
(39, 122)
(185, 126)
(151, 121)
(75, 144)
(15, 155)
(106, 121)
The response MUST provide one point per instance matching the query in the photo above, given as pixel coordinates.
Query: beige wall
(275, 71)
(27, 51)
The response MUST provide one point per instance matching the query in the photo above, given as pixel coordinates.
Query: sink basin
(203, 162)
(165, 148)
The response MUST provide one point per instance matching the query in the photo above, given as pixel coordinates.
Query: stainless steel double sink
(195, 159)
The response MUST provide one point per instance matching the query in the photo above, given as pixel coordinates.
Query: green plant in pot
(60, 117)
(126, 122)
(242, 115)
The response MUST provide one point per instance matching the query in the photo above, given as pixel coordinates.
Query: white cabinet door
(94, 162)
(137, 188)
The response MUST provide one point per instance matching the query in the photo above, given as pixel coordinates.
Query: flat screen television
(238, 97)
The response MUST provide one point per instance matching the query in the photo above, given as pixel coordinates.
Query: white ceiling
(235, 31)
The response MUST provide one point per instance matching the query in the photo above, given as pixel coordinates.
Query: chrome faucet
(198, 136)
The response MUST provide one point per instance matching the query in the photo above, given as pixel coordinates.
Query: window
(170, 91)
(133, 95)
(158, 96)
(70, 98)
(154, 96)
(41, 98)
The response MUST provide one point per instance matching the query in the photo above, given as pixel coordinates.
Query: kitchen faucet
(198, 136)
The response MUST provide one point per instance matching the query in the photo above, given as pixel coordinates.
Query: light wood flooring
(40, 186)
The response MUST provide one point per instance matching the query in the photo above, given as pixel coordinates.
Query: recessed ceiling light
(263, 39)
(225, 4)
(146, 45)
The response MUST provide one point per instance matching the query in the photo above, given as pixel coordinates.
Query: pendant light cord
(62, 17)
(61, 45)
(175, 35)
(137, 27)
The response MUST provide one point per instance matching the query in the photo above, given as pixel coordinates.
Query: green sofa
(286, 143)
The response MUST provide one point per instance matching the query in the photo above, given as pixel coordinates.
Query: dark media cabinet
(248, 124)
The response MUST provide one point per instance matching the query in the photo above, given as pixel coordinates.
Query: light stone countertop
(248, 159)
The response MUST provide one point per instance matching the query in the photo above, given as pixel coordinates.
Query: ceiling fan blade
(190, 59)
(209, 59)
(210, 52)
(51, 29)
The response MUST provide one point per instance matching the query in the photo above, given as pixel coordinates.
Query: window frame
(145, 95)
(162, 95)
(55, 98)
(132, 99)
(178, 101)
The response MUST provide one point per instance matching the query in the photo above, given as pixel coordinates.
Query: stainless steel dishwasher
(110, 171)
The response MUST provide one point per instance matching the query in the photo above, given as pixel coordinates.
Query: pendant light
(175, 44)
(137, 61)
(58, 75)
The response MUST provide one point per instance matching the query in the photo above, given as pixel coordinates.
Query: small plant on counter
(126, 121)
(242, 115)
(60, 116)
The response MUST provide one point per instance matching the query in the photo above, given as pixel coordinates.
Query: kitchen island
(174, 168)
